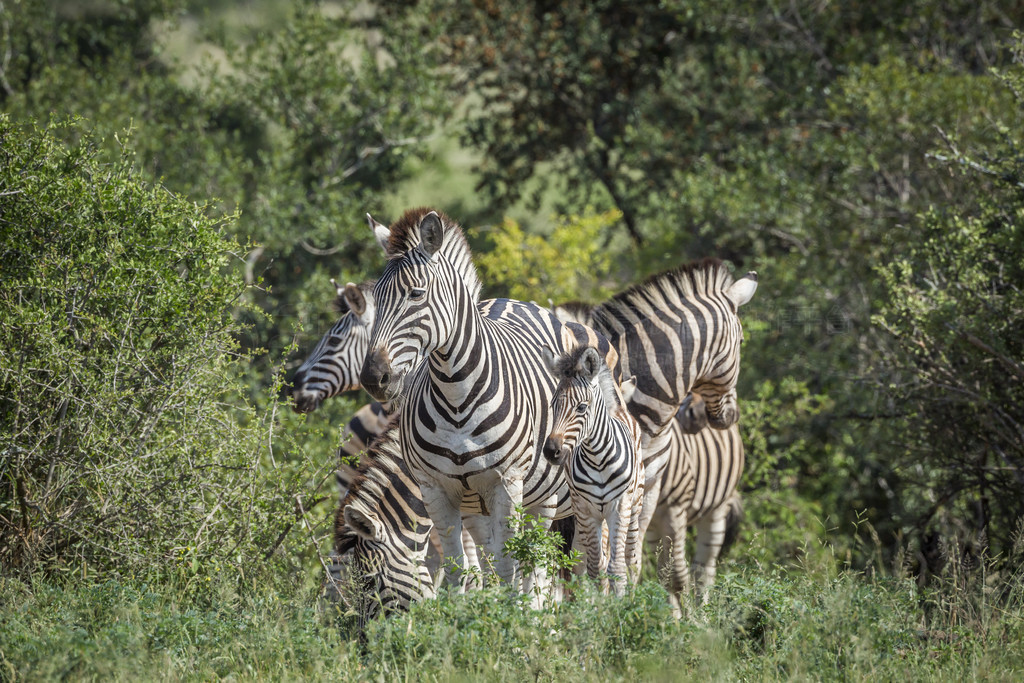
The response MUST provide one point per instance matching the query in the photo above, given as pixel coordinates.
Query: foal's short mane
(566, 371)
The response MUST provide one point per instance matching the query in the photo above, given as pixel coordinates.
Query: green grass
(760, 625)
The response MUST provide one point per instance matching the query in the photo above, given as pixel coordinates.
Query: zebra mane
(405, 236)
(566, 371)
(340, 305)
(574, 311)
(699, 278)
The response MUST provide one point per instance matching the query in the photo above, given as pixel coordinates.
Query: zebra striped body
(679, 332)
(597, 441)
(477, 409)
(383, 523)
(699, 489)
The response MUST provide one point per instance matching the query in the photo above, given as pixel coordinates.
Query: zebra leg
(473, 528)
(618, 528)
(447, 518)
(633, 539)
(679, 577)
(652, 490)
(589, 528)
(710, 535)
(504, 499)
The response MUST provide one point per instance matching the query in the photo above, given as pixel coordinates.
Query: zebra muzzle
(555, 451)
(376, 375)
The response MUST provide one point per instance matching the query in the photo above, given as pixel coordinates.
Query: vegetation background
(179, 180)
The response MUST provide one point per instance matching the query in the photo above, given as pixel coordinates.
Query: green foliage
(953, 309)
(126, 447)
(534, 546)
(760, 625)
(569, 264)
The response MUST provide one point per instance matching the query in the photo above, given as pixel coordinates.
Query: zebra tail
(733, 522)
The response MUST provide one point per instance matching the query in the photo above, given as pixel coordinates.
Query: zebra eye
(581, 409)
(417, 293)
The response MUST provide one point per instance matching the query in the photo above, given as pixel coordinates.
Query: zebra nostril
(385, 379)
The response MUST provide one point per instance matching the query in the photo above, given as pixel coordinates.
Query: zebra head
(585, 389)
(384, 525)
(333, 367)
(717, 383)
(428, 278)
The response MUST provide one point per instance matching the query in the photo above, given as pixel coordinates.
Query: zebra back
(679, 332)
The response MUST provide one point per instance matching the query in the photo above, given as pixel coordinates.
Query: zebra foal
(595, 439)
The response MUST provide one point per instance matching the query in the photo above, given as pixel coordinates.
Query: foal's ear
(589, 364)
(380, 232)
(742, 291)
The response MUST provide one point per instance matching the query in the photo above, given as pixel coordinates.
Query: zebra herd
(487, 407)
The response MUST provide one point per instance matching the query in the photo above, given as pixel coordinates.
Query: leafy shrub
(124, 445)
(570, 264)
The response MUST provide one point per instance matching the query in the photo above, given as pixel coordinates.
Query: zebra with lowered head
(595, 439)
(478, 405)
(383, 524)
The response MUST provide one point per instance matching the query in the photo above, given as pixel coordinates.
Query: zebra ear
(363, 524)
(354, 298)
(431, 233)
(590, 363)
(743, 289)
(628, 388)
(549, 359)
(380, 232)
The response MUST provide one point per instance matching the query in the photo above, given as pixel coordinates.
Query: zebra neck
(601, 448)
(457, 366)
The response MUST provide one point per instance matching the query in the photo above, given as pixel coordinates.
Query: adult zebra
(477, 409)
(383, 524)
(699, 482)
(333, 368)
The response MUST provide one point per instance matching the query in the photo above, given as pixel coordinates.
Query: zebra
(699, 489)
(478, 408)
(383, 523)
(597, 441)
(333, 366)
(698, 486)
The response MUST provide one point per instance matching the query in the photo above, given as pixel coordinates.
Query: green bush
(124, 445)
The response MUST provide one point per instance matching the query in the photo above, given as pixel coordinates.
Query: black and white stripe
(383, 524)
(699, 489)
(597, 442)
(477, 410)
(677, 332)
(333, 366)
